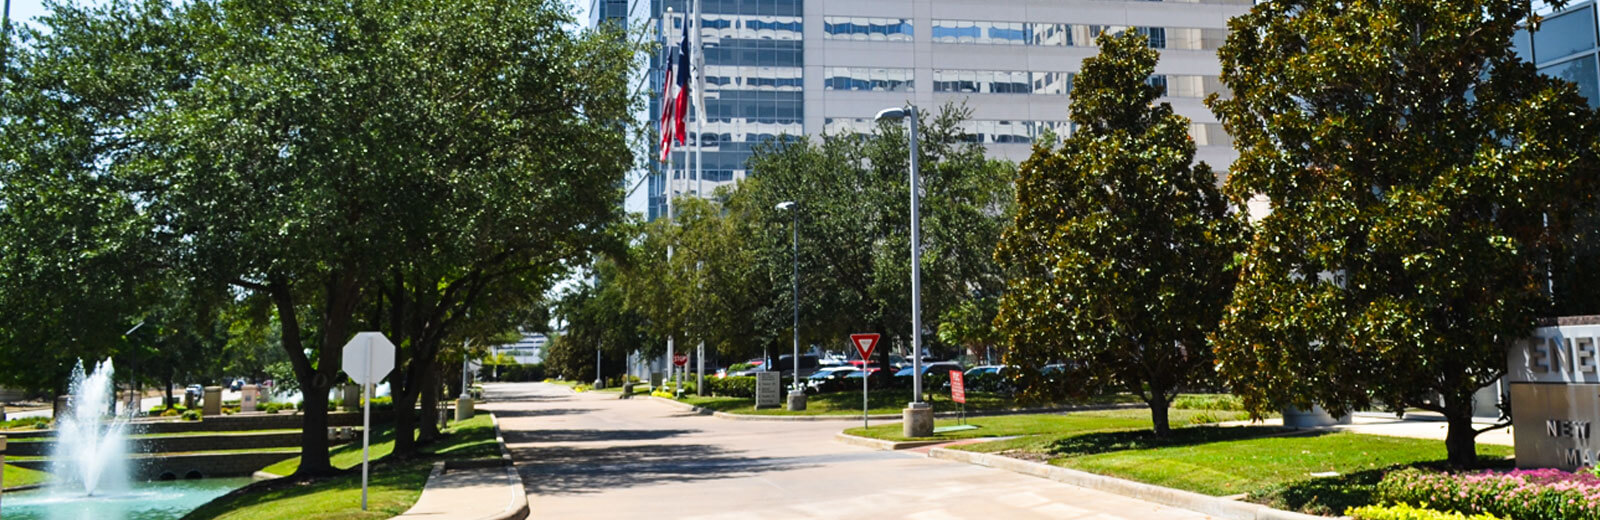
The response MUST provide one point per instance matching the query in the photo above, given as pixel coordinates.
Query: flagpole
(666, 188)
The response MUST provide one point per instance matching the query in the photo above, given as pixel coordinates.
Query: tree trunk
(405, 421)
(1158, 413)
(314, 433)
(430, 404)
(1460, 439)
(169, 400)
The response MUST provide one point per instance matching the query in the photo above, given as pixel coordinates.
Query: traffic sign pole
(366, 433)
(864, 344)
(367, 358)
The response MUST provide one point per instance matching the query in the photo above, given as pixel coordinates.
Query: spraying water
(91, 453)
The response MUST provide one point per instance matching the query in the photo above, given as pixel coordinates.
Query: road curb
(880, 444)
(886, 417)
(518, 508)
(1206, 504)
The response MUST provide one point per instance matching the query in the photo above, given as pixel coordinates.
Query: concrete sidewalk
(481, 493)
(1419, 427)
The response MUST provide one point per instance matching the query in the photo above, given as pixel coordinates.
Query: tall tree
(1416, 168)
(422, 157)
(1122, 246)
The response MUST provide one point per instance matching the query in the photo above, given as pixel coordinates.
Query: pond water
(160, 500)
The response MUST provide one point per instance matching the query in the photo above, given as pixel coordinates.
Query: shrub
(38, 423)
(1218, 402)
(531, 372)
(172, 412)
(662, 394)
(741, 386)
(1540, 493)
(740, 367)
(191, 415)
(1406, 512)
(161, 409)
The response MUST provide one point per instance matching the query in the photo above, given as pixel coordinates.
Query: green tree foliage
(1411, 161)
(597, 320)
(853, 200)
(1121, 249)
(422, 167)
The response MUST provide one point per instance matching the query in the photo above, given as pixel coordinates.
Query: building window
(1566, 34)
(867, 29)
(868, 79)
(1581, 71)
(982, 81)
(992, 33)
(1156, 35)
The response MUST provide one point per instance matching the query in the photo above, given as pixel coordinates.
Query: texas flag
(675, 95)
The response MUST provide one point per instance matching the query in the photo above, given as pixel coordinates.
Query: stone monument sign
(1554, 380)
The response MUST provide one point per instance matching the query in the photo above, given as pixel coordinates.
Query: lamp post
(918, 416)
(797, 396)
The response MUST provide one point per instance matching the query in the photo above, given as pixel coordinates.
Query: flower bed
(1407, 512)
(1540, 493)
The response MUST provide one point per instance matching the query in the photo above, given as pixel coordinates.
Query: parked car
(829, 379)
(197, 391)
(936, 367)
(785, 365)
(858, 374)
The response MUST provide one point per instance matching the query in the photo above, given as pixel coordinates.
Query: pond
(160, 500)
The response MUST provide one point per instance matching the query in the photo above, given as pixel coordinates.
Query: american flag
(675, 95)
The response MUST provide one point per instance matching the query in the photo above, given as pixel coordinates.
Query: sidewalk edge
(1196, 502)
(880, 444)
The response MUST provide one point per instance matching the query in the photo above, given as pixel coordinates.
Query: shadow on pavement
(567, 470)
(525, 436)
(539, 413)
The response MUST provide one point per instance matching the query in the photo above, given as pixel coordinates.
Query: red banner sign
(958, 387)
(680, 359)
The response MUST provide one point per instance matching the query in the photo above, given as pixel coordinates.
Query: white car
(823, 375)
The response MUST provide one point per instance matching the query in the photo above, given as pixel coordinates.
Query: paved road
(592, 455)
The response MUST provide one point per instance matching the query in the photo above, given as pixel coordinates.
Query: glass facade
(868, 79)
(1068, 34)
(867, 29)
(1022, 132)
(754, 75)
(1057, 83)
(1565, 47)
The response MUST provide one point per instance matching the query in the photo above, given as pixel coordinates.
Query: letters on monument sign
(1554, 380)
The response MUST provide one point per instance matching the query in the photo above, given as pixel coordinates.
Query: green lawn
(17, 476)
(1247, 465)
(1047, 424)
(393, 487)
(349, 455)
(889, 401)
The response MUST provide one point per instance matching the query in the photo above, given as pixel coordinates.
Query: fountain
(91, 453)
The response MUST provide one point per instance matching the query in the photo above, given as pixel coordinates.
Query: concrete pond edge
(883, 417)
(1205, 504)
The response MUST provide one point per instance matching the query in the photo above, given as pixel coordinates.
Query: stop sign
(680, 359)
(368, 357)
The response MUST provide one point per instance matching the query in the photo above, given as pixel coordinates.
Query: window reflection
(867, 29)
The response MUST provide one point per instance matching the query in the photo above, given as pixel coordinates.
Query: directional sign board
(958, 387)
(680, 359)
(864, 344)
(368, 357)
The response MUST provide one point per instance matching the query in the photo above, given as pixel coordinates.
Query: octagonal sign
(368, 357)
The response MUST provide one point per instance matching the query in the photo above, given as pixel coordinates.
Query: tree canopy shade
(1418, 173)
(1121, 255)
(418, 167)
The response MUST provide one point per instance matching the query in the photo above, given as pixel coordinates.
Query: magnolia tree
(1416, 171)
(1122, 251)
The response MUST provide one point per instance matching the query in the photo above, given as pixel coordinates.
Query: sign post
(958, 392)
(864, 344)
(368, 358)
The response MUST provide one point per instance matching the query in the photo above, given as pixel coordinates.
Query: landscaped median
(884, 404)
(392, 489)
(1234, 471)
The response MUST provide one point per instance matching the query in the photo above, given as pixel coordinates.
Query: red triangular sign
(864, 344)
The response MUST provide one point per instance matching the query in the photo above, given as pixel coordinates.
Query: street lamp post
(918, 416)
(797, 395)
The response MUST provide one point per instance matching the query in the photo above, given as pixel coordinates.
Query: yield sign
(864, 344)
(368, 357)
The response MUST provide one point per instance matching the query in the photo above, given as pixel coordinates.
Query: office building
(1565, 46)
(794, 67)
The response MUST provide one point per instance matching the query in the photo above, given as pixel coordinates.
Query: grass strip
(393, 488)
(19, 476)
(1046, 424)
